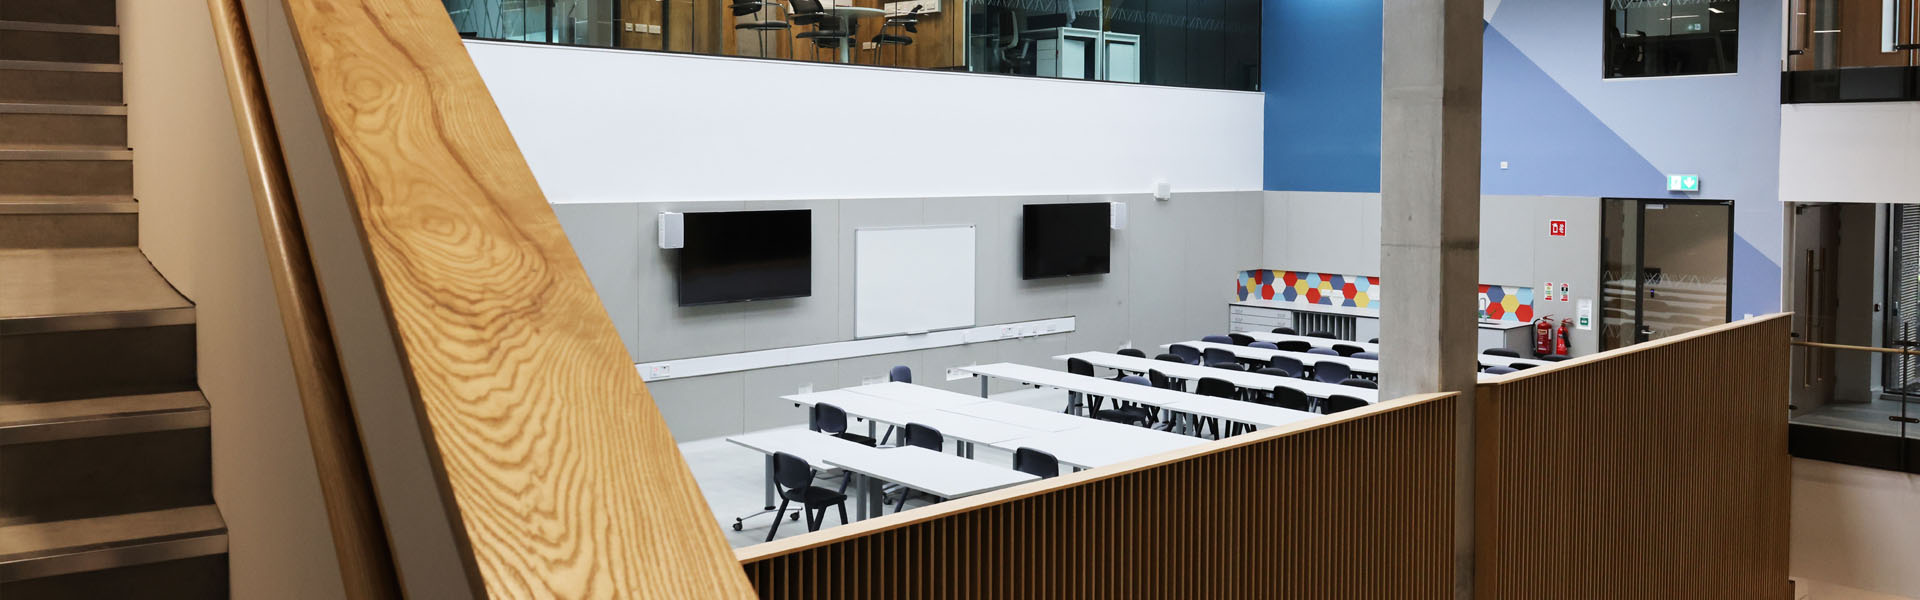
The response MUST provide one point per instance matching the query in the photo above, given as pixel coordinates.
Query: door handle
(1800, 52)
(1906, 46)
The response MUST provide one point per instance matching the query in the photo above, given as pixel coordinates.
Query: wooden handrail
(359, 537)
(1874, 349)
(554, 464)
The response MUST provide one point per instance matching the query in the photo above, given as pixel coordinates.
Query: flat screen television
(747, 255)
(1059, 240)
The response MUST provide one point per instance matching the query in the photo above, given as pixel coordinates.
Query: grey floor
(1864, 417)
(732, 477)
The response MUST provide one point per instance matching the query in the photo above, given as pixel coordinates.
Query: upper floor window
(1654, 38)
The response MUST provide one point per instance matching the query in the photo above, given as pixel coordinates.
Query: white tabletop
(872, 408)
(1101, 446)
(1361, 365)
(815, 447)
(943, 475)
(1242, 379)
(920, 395)
(1240, 411)
(1507, 361)
(1317, 342)
(1026, 416)
(1130, 392)
(895, 412)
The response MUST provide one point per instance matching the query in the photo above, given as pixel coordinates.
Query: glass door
(1665, 266)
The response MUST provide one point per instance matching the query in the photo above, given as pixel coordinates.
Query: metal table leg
(769, 482)
(983, 386)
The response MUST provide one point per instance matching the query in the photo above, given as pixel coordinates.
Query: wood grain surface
(563, 476)
(1659, 470)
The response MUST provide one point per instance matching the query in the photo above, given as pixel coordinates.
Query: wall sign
(1557, 228)
(1585, 311)
(1683, 183)
(1566, 292)
(1549, 291)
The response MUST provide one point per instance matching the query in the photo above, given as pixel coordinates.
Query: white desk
(1046, 421)
(932, 472)
(965, 430)
(1505, 361)
(1241, 379)
(869, 407)
(1168, 400)
(1090, 447)
(917, 394)
(1485, 359)
(812, 446)
(1357, 365)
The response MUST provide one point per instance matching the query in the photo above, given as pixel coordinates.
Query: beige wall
(197, 225)
(1856, 527)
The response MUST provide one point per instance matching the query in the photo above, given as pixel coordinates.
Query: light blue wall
(1562, 128)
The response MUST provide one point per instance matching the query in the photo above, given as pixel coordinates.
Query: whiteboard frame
(973, 278)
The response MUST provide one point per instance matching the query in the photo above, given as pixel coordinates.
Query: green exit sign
(1683, 183)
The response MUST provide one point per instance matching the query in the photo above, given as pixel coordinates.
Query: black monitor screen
(1065, 239)
(755, 255)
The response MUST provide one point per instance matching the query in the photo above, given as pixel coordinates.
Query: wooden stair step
(33, 422)
(60, 547)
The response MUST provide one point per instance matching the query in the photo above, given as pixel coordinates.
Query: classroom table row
(1365, 366)
(1248, 381)
(1486, 360)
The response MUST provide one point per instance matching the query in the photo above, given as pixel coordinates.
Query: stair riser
(92, 477)
(17, 85)
(66, 12)
(95, 230)
(67, 177)
(83, 130)
(59, 46)
(197, 578)
(88, 364)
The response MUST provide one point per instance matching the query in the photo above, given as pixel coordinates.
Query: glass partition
(1189, 43)
(1852, 51)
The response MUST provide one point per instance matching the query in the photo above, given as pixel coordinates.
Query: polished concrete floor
(733, 478)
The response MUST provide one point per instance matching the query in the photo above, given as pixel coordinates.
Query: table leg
(860, 484)
(769, 496)
(845, 51)
(983, 385)
(875, 489)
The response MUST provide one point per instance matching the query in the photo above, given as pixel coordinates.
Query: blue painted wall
(1320, 69)
(1563, 129)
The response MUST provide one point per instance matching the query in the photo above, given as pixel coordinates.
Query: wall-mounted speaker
(1162, 190)
(673, 233)
(1117, 212)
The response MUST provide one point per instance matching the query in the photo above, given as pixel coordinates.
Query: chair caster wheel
(793, 517)
(736, 526)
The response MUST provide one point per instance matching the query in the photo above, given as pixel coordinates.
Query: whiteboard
(912, 279)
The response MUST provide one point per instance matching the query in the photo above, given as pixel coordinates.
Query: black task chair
(1520, 366)
(1289, 365)
(1323, 334)
(1189, 354)
(1347, 349)
(1554, 357)
(1360, 383)
(1374, 341)
(1036, 463)
(1289, 398)
(1162, 381)
(1130, 415)
(902, 374)
(890, 35)
(1323, 351)
(1089, 402)
(1295, 346)
(1170, 357)
(1218, 388)
(832, 420)
(1496, 370)
(1327, 371)
(760, 26)
(1241, 339)
(1217, 339)
(1215, 356)
(1133, 352)
(828, 32)
(795, 480)
(1501, 352)
(1367, 355)
(1230, 366)
(1284, 331)
(919, 436)
(1338, 403)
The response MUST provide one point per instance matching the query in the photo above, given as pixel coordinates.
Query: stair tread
(110, 407)
(77, 281)
(54, 65)
(58, 27)
(55, 538)
(54, 107)
(6, 199)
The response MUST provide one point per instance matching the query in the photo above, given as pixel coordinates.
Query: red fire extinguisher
(1543, 336)
(1561, 340)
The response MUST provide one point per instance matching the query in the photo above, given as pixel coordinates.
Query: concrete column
(1430, 221)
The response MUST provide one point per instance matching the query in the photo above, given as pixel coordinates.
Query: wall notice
(1584, 308)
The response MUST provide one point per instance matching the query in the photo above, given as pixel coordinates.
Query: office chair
(1554, 357)
(902, 374)
(1218, 388)
(1323, 334)
(1331, 372)
(832, 420)
(1373, 341)
(1130, 415)
(1240, 339)
(759, 26)
(1015, 52)
(795, 480)
(908, 22)
(1366, 355)
(1187, 354)
(1360, 383)
(1520, 366)
(1284, 331)
(1338, 403)
(1036, 463)
(1162, 381)
(1500, 370)
(1264, 345)
(1076, 400)
(1170, 358)
(919, 436)
(1295, 345)
(827, 31)
(1501, 352)
(1347, 349)
(1215, 356)
(1323, 351)
(1291, 399)
(1289, 365)
(1133, 352)
(1217, 339)
(1230, 366)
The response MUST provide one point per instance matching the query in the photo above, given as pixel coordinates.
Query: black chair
(880, 41)
(1289, 365)
(1230, 366)
(1218, 388)
(900, 373)
(1360, 383)
(1289, 398)
(1080, 366)
(832, 420)
(1170, 358)
(1284, 330)
(1366, 355)
(1554, 357)
(1520, 366)
(760, 26)
(1036, 463)
(1214, 356)
(795, 480)
(1501, 352)
(1264, 345)
(1295, 346)
(1331, 372)
(1323, 334)
(1500, 370)
(1131, 415)
(1187, 354)
(1162, 381)
(1338, 403)
(1323, 351)
(1133, 352)
(1374, 341)
(1348, 349)
(919, 436)
(1217, 339)
(828, 32)
(1240, 339)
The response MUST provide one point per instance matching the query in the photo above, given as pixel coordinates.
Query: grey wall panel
(1156, 257)
(1332, 232)
(1507, 239)
(761, 390)
(609, 241)
(701, 407)
(1573, 259)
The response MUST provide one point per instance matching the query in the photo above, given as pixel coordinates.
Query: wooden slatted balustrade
(1654, 471)
(1358, 505)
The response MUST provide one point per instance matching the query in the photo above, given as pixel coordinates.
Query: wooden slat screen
(1360, 506)
(1654, 471)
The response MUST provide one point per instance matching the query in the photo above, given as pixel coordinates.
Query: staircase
(105, 468)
